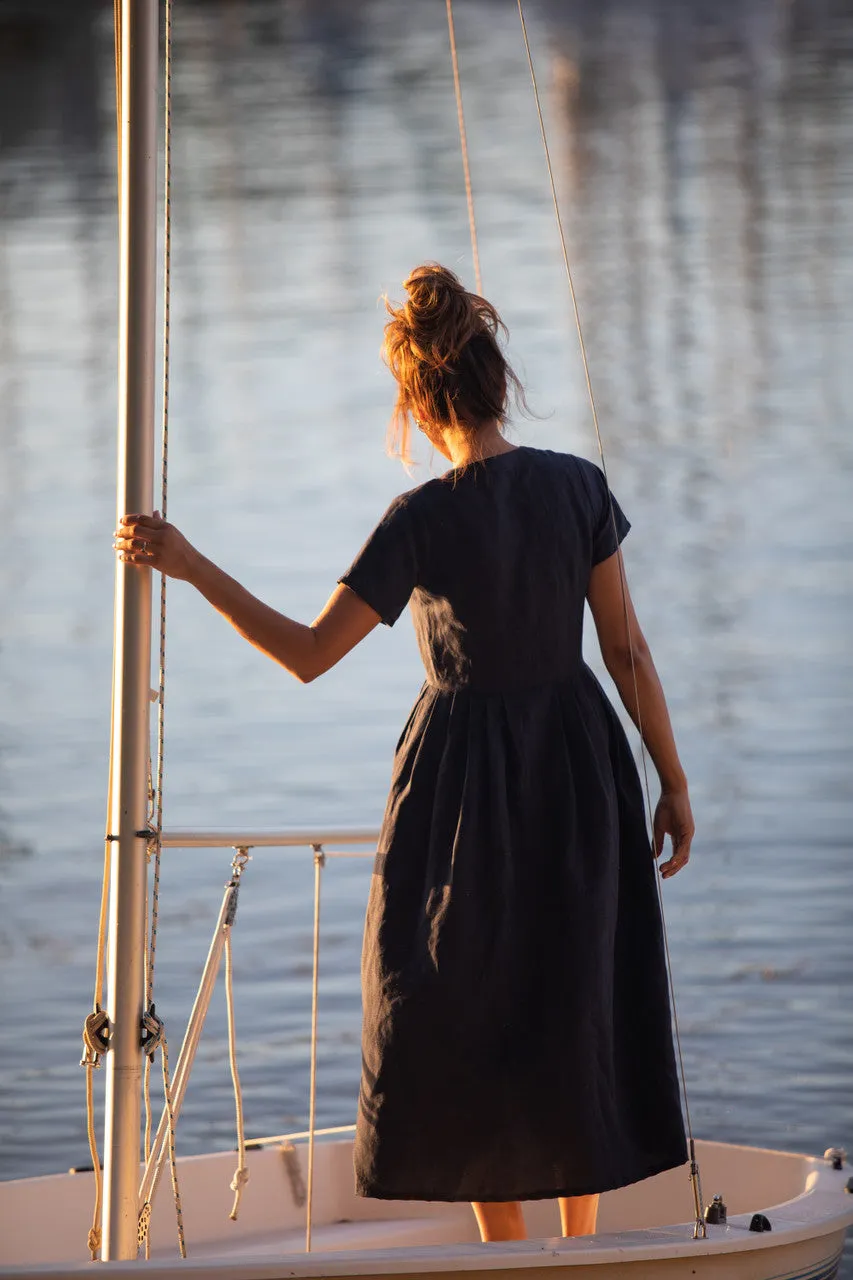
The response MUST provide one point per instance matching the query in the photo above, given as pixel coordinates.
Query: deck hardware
(715, 1212)
(231, 913)
(760, 1223)
(836, 1156)
(151, 1033)
(96, 1038)
(238, 865)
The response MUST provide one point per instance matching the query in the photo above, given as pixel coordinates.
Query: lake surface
(704, 155)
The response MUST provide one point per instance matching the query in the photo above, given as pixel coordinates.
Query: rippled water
(704, 155)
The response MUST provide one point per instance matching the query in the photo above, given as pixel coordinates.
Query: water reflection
(703, 154)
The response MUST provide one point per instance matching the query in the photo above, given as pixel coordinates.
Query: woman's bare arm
(306, 652)
(610, 603)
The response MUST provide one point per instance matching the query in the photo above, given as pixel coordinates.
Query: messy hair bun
(442, 347)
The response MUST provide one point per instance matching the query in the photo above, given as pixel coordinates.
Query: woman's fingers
(137, 557)
(674, 864)
(126, 542)
(680, 853)
(150, 541)
(143, 526)
(143, 537)
(154, 521)
(137, 539)
(673, 817)
(659, 832)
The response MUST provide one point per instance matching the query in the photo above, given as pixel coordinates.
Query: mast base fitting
(716, 1212)
(760, 1223)
(835, 1156)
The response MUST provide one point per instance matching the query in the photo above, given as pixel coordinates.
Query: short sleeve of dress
(609, 522)
(384, 573)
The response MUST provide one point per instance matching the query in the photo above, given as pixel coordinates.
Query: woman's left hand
(674, 818)
(152, 542)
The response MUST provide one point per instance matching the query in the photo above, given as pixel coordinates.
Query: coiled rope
(699, 1224)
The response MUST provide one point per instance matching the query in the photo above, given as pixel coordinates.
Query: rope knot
(238, 1182)
(93, 1240)
(96, 1038)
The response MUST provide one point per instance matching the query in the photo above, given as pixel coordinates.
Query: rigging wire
(463, 142)
(157, 786)
(699, 1229)
(155, 845)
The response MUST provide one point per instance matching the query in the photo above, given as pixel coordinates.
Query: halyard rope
(241, 1174)
(699, 1228)
(155, 842)
(96, 1026)
(463, 142)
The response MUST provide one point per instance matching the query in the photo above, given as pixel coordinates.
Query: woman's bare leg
(501, 1220)
(578, 1215)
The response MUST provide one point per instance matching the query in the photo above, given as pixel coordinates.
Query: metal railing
(304, 839)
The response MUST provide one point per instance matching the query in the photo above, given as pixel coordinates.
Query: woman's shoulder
(407, 505)
(561, 459)
(421, 497)
(579, 472)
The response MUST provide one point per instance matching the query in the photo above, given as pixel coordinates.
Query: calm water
(705, 160)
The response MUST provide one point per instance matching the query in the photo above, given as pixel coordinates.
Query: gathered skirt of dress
(517, 1040)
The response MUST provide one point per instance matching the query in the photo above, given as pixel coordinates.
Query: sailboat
(773, 1214)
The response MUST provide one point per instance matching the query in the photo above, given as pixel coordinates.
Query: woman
(516, 1040)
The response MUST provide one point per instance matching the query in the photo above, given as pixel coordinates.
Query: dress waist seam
(579, 673)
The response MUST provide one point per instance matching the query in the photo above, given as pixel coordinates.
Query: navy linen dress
(516, 1039)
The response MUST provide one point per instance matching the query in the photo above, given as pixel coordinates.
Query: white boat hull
(645, 1231)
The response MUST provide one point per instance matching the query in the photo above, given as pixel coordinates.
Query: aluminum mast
(132, 644)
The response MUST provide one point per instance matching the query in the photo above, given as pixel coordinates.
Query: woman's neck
(462, 447)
